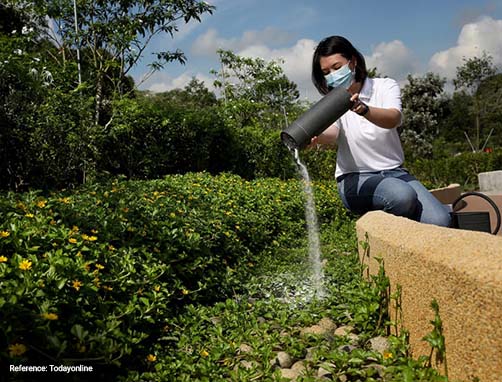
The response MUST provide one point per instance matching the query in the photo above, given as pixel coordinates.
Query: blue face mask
(342, 77)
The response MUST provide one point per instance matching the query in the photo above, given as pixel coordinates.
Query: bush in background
(462, 169)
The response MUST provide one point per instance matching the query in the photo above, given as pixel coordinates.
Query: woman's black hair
(328, 47)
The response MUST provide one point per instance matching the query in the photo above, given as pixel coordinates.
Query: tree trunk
(99, 98)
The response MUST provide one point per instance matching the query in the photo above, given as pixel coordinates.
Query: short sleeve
(391, 94)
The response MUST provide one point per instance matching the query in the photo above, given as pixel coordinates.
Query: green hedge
(96, 274)
(462, 169)
(148, 141)
(145, 141)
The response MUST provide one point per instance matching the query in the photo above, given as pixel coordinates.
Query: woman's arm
(385, 118)
(327, 137)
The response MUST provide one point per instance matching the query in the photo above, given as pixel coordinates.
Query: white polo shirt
(362, 145)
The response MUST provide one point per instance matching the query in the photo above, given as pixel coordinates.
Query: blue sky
(398, 37)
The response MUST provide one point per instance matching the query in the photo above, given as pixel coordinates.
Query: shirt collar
(367, 89)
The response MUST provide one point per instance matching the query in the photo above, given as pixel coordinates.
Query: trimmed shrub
(145, 141)
(462, 169)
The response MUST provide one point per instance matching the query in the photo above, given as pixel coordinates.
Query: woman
(369, 170)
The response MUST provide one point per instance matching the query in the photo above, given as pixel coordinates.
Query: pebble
(284, 360)
(380, 344)
(289, 373)
(324, 371)
(245, 348)
(344, 330)
(299, 366)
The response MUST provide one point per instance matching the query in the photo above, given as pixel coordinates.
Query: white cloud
(297, 63)
(210, 42)
(483, 35)
(162, 82)
(392, 59)
(296, 58)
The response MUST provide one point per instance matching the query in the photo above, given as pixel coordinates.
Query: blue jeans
(394, 191)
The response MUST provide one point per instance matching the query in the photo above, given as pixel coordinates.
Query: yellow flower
(17, 349)
(76, 284)
(41, 203)
(94, 231)
(25, 265)
(151, 358)
(72, 240)
(4, 233)
(204, 353)
(156, 288)
(65, 200)
(387, 355)
(185, 292)
(3, 259)
(50, 316)
(74, 228)
(89, 238)
(99, 266)
(29, 216)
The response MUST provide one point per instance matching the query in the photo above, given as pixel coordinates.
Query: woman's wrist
(365, 110)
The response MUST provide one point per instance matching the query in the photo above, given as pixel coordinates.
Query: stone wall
(462, 270)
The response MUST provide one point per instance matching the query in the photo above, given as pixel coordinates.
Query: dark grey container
(317, 119)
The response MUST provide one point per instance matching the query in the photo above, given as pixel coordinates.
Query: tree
(195, 94)
(423, 106)
(490, 94)
(112, 35)
(469, 78)
(255, 91)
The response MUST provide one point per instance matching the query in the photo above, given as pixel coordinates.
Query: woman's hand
(359, 107)
(314, 143)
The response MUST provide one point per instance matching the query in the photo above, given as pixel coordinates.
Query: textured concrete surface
(490, 181)
(462, 270)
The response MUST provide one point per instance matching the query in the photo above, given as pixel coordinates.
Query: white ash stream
(317, 277)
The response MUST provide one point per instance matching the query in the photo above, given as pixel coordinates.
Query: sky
(397, 37)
